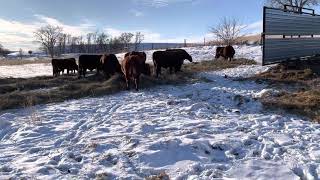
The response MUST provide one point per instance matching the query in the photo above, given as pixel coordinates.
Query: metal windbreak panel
(277, 50)
(279, 22)
(289, 35)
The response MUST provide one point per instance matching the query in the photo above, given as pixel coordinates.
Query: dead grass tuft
(300, 91)
(161, 176)
(305, 103)
(10, 62)
(216, 65)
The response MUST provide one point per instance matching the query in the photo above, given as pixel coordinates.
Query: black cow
(90, 62)
(110, 64)
(60, 65)
(219, 52)
(227, 52)
(173, 58)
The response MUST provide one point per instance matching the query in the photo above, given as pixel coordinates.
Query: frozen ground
(25, 71)
(198, 54)
(198, 131)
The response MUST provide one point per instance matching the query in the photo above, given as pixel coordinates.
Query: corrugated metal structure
(289, 34)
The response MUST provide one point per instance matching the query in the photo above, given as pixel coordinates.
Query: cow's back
(229, 51)
(110, 63)
(89, 61)
(167, 58)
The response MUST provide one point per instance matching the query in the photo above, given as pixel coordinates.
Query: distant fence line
(119, 48)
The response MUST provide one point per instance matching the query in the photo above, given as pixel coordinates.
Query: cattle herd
(133, 65)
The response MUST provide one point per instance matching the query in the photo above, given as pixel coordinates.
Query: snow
(25, 71)
(206, 130)
(262, 170)
(198, 54)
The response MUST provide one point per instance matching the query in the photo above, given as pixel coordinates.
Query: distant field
(11, 62)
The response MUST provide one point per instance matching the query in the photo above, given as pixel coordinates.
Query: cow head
(146, 70)
(188, 57)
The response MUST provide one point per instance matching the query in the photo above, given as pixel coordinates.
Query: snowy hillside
(199, 131)
(198, 54)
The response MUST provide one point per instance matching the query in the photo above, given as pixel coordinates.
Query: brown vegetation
(300, 92)
(6, 62)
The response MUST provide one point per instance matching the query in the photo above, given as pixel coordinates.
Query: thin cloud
(254, 28)
(136, 13)
(161, 3)
(15, 34)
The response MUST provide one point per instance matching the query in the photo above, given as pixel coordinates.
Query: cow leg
(136, 81)
(158, 71)
(84, 72)
(128, 83)
(97, 72)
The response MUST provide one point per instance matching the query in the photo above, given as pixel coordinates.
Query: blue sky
(159, 20)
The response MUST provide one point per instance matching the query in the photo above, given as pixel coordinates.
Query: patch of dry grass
(304, 95)
(216, 65)
(161, 176)
(11, 62)
(15, 93)
(281, 74)
(305, 103)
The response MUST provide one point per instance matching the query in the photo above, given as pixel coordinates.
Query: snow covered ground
(198, 54)
(199, 131)
(25, 71)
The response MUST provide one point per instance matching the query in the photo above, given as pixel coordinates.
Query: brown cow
(141, 54)
(132, 69)
(227, 52)
(110, 64)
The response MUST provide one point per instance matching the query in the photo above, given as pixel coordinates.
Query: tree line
(55, 42)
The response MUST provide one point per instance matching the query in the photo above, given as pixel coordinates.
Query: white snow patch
(25, 71)
(262, 170)
(196, 131)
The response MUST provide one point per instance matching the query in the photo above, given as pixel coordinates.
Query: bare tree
(102, 41)
(30, 52)
(48, 36)
(4, 51)
(298, 3)
(228, 31)
(139, 37)
(115, 45)
(20, 53)
(126, 38)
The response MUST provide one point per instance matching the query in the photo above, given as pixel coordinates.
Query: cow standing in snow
(90, 62)
(227, 52)
(59, 65)
(132, 67)
(172, 59)
(110, 65)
